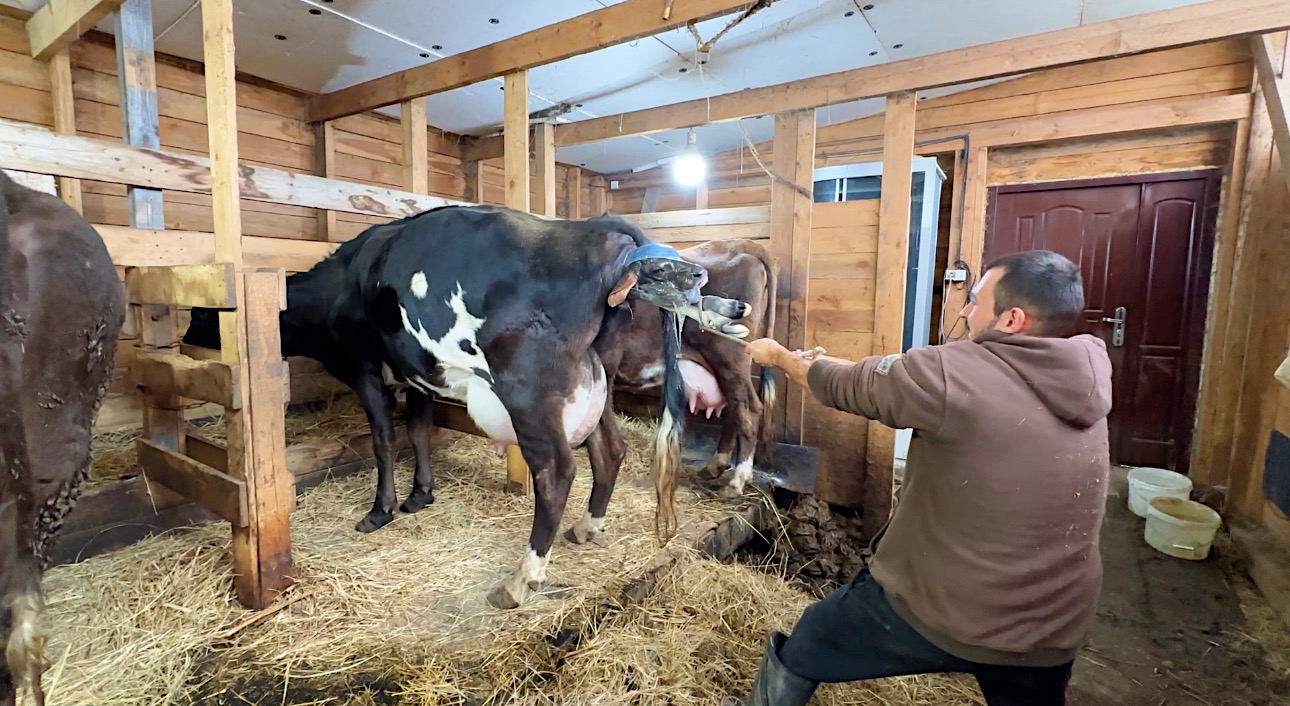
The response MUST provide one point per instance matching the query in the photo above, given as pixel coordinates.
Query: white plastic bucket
(1181, 528)
(1146, 483)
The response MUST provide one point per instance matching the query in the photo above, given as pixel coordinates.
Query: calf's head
(659, 275)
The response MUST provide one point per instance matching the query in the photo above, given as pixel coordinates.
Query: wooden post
(1269, 59)
(262, 562)
(701, 195)
(889, 298)
(596, 204)
(163, 417)
(793, 161)
(544, 174)
(472, 171)
(515, 131)
(573, 191)
(325, 165)
(416, 157)
(60, 79)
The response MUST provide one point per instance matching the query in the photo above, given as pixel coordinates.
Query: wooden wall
(272, 132)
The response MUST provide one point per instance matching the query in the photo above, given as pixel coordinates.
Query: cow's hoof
(417, 501)
(578, 534)
(507, 597)
(730, 490)
(373, 521)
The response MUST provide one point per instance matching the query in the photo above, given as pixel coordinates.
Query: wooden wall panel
(272, 131)
(840, 317)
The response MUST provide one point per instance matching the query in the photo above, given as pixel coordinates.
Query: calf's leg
(420, 430)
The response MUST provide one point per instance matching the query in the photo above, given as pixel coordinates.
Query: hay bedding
(399, 616)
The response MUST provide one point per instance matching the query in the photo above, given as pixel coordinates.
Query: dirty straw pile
(399, 616)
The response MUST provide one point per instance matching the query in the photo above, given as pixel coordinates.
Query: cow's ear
(620, 291)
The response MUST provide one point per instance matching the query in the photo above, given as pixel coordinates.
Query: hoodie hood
(1071, 376)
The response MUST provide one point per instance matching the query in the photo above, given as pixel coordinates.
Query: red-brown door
(1144, 251)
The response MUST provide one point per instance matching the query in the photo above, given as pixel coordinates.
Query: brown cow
(717, 371)
(62, 308)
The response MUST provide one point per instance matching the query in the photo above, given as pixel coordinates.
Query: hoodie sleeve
(903, 391)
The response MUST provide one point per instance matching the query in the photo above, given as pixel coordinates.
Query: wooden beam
(1094, 122)
(325, 166)
(1269, 58)
(701, 196)
(144, 247)
(60, 84)
(1137, 34)
(416, 152)
(790, 244)
(516, 158)
(59, 23)
(29, 147)
(205, 380)
(210, 285)
(221, 494)
(137, 75)
(617, 24)
(889, 299)
(473, 174)
(573, 182)
(544, 168)
(516, 164)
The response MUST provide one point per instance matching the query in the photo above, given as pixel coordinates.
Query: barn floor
(398, 617)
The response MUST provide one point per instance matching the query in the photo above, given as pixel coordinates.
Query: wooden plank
(701, 217)
(1268, 61)
(59, 23)
(221, 494)
(1136, 34)
(516, 165)
(33, 148)
(145, 247)
(182, 285)
(416, 168)
(790, 245)
(596, 204)
(136, 71)
(889, 300)
(60, 79)
(473, 174)
(269, 482)
(573, 192)
(205, 380)
(1219, 352)
(208, 452)
(1184, 112)
(685, 234)
(325, 166)
(544, 168)
(606, 27)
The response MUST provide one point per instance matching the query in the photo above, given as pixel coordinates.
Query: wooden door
(1144, 250)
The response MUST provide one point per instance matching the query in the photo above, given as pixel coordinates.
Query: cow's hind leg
(606, 450)
(371, 395)
(550, 460)
(420, 432)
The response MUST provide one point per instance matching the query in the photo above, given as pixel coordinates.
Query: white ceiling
(350, 41)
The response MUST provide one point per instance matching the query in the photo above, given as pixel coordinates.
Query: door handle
(1117, 332)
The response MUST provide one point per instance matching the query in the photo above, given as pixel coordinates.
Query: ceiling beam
(1269, 60)
(1137, 34)
(616, 24)
(59, 23)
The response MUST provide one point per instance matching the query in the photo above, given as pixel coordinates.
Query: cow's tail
(20, 599)
(769, 393)
(667, 445)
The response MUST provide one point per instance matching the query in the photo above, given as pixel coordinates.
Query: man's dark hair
(1044, 284)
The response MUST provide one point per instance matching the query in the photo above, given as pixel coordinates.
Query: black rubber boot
(775, 685)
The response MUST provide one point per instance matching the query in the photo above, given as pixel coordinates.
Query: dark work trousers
(853, 634)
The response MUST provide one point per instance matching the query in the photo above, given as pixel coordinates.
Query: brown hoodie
(992, 553)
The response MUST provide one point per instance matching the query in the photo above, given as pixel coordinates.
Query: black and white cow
(517, 317)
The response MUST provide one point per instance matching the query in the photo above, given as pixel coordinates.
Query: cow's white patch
(652, 374)
(533, 568)
(448, 349)
(420, 286)
(738, 479)
(589, 526)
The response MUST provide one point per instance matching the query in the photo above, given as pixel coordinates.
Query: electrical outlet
(613, 184)
(956, 275)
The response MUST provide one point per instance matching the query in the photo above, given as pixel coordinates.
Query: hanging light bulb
(690, 168)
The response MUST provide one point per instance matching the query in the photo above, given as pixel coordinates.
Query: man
(990, 563)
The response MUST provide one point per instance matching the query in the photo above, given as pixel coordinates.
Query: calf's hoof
(417, 501)
(578, 534)
(507, 596)
(374, 520)
(731, 490)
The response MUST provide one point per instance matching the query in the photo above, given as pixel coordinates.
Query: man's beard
(976, 335)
